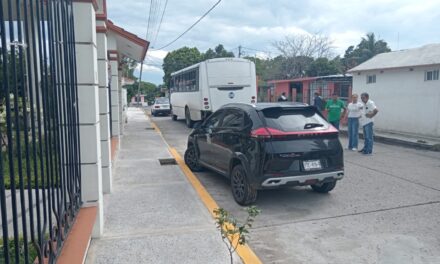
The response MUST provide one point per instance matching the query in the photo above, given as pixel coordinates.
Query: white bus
(202, 88)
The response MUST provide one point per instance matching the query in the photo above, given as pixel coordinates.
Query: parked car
(267, 145)
(161, 106)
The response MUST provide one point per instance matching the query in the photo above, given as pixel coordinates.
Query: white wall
(88, 106)
(406, 102)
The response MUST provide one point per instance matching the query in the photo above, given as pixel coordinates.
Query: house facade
(303, 89)
(405, 86)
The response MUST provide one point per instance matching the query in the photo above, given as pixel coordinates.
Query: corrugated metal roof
(425, 55)
(311, 78)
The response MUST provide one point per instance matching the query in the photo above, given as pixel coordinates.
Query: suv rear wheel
(242, 191)
(324, 187)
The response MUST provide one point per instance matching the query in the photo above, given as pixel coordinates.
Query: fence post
(87, 76)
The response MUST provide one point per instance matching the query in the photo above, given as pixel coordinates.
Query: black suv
(267, 145)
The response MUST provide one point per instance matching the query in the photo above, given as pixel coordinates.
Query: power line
(149, 18)
(186, 31)
(142, 62)
(160, 23)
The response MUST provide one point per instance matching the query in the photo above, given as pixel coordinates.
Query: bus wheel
(189, 122)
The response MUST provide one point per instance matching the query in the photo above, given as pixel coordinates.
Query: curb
(397, 142)
(246, 254)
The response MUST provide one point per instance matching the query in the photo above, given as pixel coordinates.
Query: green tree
(179, 59)
(270, 69)
(218, 52)
(322, 67)
(10, 68)
(128, 67)
(150, 90)
(365, 50)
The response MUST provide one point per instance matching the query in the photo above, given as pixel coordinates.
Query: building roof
(422, 56)
(264, 106)
(129, 44)
(335, 76)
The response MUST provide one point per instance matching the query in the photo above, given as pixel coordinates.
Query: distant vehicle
(161, 106)
(267, 146)
(201, 89)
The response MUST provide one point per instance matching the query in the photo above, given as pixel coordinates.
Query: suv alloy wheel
(242, 191)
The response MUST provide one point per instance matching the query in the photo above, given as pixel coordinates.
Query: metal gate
(40, 175)
(321, 87)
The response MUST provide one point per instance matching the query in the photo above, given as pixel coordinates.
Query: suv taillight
(268, 132)
(261, 132)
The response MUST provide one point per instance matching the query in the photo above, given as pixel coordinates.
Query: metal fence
(40, 174)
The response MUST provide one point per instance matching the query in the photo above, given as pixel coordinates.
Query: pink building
(302, 89)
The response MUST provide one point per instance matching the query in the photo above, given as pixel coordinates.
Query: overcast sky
(256, 24)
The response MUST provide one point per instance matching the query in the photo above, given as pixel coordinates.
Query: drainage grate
(168, 161)
(149, 128)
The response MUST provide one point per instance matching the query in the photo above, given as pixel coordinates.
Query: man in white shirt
(369, 110)
(354, 112)
(282, 97)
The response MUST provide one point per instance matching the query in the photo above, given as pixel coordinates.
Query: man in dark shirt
(318, 102)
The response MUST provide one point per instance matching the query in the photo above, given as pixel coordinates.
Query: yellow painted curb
(244, 251)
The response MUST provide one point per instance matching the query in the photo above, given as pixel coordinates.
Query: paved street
(385, 210)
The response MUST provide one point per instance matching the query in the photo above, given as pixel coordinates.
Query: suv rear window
(291, 120)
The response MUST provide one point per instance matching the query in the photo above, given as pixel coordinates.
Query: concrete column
(104, 107)
(116, 130)
(88, 101)
(121, 104)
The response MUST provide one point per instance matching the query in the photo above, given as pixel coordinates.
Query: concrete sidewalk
(153, 214)
(401, 139)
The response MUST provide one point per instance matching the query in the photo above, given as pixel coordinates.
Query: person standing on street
(353, 114)
(282, 97)
(334, 108)
(369, 110)
(318, 102)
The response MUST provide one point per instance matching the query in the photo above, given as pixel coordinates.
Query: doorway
(296, 91)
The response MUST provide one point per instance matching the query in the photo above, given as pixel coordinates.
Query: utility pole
(139, 85)
(239, 51)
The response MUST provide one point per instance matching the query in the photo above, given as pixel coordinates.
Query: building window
(431, 75)
(371, 78)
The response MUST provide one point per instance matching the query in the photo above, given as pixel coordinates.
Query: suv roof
(263, 106)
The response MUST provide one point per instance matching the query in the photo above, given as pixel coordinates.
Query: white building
(405, 86)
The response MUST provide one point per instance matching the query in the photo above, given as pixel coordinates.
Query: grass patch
(35, 172)
(32, 252)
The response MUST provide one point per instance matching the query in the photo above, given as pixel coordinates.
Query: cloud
(157, 54)
(257, 24)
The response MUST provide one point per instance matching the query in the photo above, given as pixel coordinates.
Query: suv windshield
(291, 120)
(162, 100)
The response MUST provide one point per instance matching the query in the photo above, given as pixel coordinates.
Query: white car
(161, 106)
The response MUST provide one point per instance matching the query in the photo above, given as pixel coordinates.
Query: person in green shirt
(334, 108)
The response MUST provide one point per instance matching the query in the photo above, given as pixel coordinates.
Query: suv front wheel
(324, 187)
(242, 191)
(191, 159)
